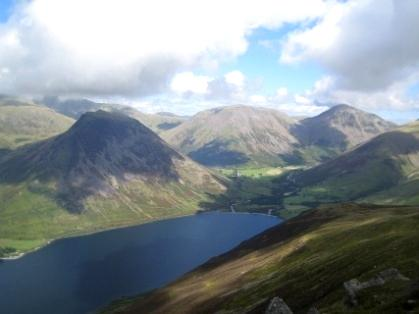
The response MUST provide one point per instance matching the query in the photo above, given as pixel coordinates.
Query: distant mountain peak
(341, 127)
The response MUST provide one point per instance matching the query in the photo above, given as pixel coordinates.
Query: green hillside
(384, 171)
(23, 122)
(107, 170)
(305, 262)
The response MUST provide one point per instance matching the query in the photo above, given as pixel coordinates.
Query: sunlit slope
(235, 135)
(305, 261)
(24, 122)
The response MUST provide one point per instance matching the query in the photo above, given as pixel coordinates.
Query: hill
(158, 122)
(384, 170)
(107, 170)
(306, 262)
(235, 135)
(74, 108)
(23, 122)
(340, 128)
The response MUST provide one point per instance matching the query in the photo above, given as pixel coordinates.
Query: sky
(184, 56)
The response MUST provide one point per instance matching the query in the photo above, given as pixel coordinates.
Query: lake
(82, 274)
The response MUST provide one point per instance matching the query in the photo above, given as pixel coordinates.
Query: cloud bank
(369, 48)
(129, 47)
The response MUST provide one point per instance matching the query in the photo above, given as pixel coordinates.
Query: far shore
(19, 255)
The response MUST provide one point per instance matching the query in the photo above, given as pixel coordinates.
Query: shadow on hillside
(218, 154)
(98, 153)
(312, 133)
(246, 194)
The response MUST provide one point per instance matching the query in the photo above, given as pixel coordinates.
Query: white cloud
(129, 47)
(188, 82)
(304, 110)
(299, 99)
(257, 99)
(367, 45)
(369, 50)
(282, 92)
(236, 78)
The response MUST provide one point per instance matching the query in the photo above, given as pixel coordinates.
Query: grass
(255, 172)
(305, 262)
(30, 217)
(27, 123)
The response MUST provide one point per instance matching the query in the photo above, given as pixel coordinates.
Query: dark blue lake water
(82, 274)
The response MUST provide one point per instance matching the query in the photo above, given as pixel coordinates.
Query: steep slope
(106, 170)
(76, 107)
(383, 170)
(23, 122)
(235, 135)
(305, 261)
(340, 128)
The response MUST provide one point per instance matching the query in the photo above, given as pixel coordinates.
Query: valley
(108, 170)
(209, 157)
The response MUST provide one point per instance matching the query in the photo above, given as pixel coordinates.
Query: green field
(255, 172)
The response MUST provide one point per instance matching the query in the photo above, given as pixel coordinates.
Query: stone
(313, 310)
(354, 285)
(278, 306)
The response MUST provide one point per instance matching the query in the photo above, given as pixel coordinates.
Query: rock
(278, 306)
(313, 310)
(354, 285)
(392, 274)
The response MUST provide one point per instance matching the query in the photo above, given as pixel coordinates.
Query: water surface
(81, 274)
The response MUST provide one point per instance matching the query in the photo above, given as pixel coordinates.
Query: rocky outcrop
(313, 310)
(353, 286)
(278, 306)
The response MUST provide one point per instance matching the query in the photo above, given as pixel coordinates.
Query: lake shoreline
(109, 265)
(74, 235)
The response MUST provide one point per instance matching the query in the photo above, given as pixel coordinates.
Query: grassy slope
(305, 261)
(385, 170)
(34, 208)
(31, 216)
(23, 123)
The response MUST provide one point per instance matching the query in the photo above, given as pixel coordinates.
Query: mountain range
(236, 135)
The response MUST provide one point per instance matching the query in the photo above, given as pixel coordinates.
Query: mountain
(235, 135)
(23, 122)
(305, 261)
(158, 122)
(340, 128)
(383, 170)
(76, 107)
(107, 170)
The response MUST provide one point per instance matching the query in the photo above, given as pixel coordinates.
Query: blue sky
(5, 7)
(261, 61)
(192, 55)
